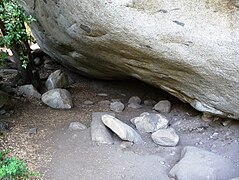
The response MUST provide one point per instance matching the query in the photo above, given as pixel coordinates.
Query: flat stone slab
(74, 126)
(100, 133)
(198, 164)
(124, 131)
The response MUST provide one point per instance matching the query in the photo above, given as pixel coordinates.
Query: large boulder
(186, 47)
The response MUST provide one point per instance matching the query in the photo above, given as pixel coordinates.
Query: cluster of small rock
(154, 123)
(194, 163)
(56, 96)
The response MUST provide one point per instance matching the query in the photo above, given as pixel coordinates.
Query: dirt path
(62, 154)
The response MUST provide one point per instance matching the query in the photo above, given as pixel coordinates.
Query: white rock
(117, 106)
(100, 133)
(150, 122)
(77, 126)
(165, 137)
(57, 79)
(29, 91)
(198, 164)
(187, 47)
(163, 106)
(124, 131)
(58, 99)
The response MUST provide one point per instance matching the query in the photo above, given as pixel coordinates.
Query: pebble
(3, 126)
(102, 94)
(88, 102)
(163, 106)
(165, 137)
(32, 131)
(117, 106)
(37, 61)
(74, 126)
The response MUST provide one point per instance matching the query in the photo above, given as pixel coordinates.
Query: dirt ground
(58, 153)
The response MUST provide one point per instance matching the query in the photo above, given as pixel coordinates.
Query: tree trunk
(25, 75)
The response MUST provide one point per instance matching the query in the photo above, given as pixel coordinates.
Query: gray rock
(100, 133)
(2, 112)
(29, 91)
(117, 106)
(74, 126)
(49, 66)
(149, 102)
(199, 164)
(134, 106)
(88, 102)
(4, 98)
(32, 131)
(163, 106)
(58, 99)
(195, 59)
(57, 79)
(150, 122)
(3, 126)
(165, 137)
(134, 100)
(124, 131)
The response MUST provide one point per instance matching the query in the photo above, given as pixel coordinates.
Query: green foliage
(13, 168)
(14, 32)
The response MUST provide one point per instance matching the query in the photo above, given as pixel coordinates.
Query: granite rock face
(199, 164)
(186, 47)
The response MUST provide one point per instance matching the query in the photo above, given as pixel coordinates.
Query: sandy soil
(58, 153)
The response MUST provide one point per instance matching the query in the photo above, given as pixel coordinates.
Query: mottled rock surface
(29, 91)
(58, 99)
(150, 122)
(199, 164)
(186, 47)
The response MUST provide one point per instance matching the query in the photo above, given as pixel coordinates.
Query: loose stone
(165, 137)
(163, 106)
